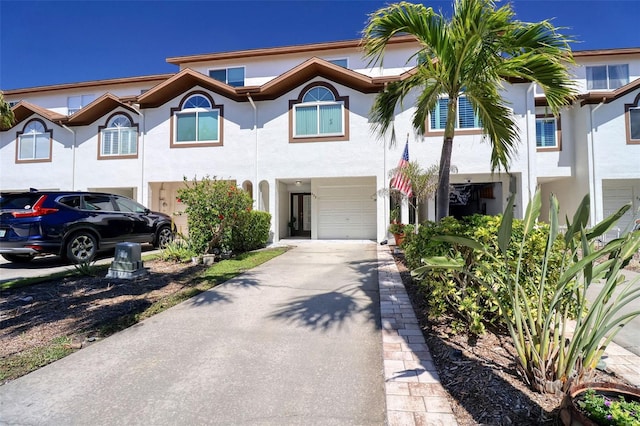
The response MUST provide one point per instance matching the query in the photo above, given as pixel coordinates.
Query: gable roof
(182, 82)
(311, 68)
(24, 110)
(96, 109)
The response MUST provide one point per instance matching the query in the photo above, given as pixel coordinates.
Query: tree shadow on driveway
(359, 301)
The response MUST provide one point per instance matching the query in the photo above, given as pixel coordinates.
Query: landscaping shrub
(466, 296)
(252, 231)
(541, 294)
(214, 209)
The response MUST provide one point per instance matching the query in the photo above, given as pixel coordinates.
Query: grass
(20, 364)
(27, 361)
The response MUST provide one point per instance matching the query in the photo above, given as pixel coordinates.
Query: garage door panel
(346, 212)
(617, 194)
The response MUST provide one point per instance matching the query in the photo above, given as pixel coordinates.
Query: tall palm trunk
(442, 207)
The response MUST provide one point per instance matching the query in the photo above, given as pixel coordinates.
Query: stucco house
(290, 125)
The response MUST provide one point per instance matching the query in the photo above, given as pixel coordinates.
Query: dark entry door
(300, 222)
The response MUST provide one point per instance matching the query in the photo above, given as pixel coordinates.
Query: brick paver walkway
(413, 390)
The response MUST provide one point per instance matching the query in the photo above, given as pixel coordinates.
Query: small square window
(546, 133)
(231, 76)
(76, 103)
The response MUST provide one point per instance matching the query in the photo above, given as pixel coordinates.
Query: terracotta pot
(570, 413)
(399, 238)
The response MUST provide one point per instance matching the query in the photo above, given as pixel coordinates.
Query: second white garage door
(347, 212)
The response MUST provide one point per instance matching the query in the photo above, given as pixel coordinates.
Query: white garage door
(347, 212)
(615, 195)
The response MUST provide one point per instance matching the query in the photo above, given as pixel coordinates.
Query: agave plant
(558, 340)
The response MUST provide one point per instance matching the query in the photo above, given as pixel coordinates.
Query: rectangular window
(231, 76)
(319, 120)
(467, 118)
(634, 124)
(198, 126)
(546, 133)
(607, 77)
(119, 141)
(76, 103)
(34, 147)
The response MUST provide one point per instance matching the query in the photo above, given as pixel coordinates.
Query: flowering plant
(607, 411)
(396, 228)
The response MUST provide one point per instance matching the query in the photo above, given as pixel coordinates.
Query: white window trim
(318, 105)
(555, 133)
(84, 101)
(457, 126)
(606, 66)
(24, 135)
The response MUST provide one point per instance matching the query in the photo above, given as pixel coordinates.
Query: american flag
(401, 182)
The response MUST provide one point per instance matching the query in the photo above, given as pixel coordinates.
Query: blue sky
(52, 42)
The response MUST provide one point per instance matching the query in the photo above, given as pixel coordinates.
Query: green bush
(214, 210)
(252, 231)
(540, 296)
(467, 297)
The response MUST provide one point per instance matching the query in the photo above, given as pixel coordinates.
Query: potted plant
(397, 229)
(594, 404)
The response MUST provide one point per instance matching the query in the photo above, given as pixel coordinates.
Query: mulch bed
(480, 373)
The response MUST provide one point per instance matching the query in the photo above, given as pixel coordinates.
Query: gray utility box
(127, 262)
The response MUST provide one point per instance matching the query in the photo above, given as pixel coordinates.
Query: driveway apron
(295, 341)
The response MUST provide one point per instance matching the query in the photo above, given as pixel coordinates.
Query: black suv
(75, 225)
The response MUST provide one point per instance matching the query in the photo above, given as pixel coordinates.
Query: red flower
(221, 217)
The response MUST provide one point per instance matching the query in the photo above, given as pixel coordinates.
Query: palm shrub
(551, 354)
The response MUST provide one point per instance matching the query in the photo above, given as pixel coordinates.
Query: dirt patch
(77, 307)
(480, 374)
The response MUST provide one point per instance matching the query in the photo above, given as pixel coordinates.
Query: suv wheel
(81, 247)
(164, 237)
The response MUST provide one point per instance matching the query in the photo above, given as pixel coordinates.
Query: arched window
(197, 121)
(319, 113)
(34, 142)
(119, 137)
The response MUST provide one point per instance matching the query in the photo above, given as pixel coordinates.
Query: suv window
(19, 201)
(127, 205)
(72, 201)
(98, 202)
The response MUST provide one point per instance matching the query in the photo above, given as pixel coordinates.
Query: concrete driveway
(294, 341)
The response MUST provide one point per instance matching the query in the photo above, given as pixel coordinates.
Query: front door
(300, 219)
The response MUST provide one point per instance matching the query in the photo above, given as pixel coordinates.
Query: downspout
(529, 148)
(256, 188)
(144, 131)
(592, 168)
(73, 157)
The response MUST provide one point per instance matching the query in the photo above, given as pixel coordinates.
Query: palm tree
(424, 183)
(472, 54)
(6, 114)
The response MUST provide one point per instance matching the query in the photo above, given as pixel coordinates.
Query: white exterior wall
(54, 174)
(256, 146)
